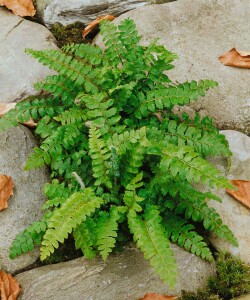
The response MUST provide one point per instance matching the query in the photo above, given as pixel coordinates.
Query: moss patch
(232, 279)
(68, 34)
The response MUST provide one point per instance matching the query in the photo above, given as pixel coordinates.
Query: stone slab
(123, 276)
(25, 205)
(19, 71)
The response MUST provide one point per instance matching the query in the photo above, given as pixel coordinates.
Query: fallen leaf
(6, 190)
(95, 23)
(5, 107)
(30, 123)
(154, 296)
(235, 58)
(9, 287)
(23, 8)
(243, 192)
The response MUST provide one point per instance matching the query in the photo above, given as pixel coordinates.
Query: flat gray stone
(199, 31)
(19, 71)
(233, 213)
(85, 11)
(24, 207)
(123, 276)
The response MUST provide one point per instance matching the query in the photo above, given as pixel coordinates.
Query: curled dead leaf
(243, 192)
(30, 123)
(5, 107)
(154, 296)
(9, 287)
(23, 8)
(95, 23)
(6, 190)
(235, 58)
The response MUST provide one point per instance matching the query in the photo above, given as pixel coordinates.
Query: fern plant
(119, 157)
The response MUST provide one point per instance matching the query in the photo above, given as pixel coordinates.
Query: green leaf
(63, 220)
(149, 236)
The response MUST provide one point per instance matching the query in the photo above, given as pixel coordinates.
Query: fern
(85, 236)
(186, 163)
(122, 163)
(131, 198)
(99, 154)
(149, 236)
(63, 220)
(183, 233)
(107, 231)
(30, 237)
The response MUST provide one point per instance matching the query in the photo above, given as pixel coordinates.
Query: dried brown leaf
(235, 58)
(95, 23)
(6, 190)
(243, 192)
(5, 107)
(23, 8)
(154, 296)
(9, 287)
(30, 123)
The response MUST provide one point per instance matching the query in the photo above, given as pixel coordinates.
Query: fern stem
(79, 180)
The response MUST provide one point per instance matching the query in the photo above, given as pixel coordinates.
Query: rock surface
(85, 11)
(25, 205)
(124, 276)
(232, 212)
(243, 297)
(18, 71)
(199, 31)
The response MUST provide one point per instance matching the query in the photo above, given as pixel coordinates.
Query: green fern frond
(107, 227)
(131, 198)
(212, 222)
(126, 140)
(166, 183)
(61, 87)
(149, 235)
(188, 165)
(183, 233)
(101, 112)
(90, 54)
(30, 237)
(8, 121)
(25, 110)
(64, 219)
(99, 154)
(37, 159)
(114, 52)
(84, 240)
(67, 66)
(199, 211)
(204, 142)
(73, 115)
(167, 97)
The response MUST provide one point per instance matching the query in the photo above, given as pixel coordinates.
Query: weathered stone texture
(124, 276)
(25, 205)
(19, 71)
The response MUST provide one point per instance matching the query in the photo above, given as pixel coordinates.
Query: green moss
(200, 295)
(232, 279)
(68, 34)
